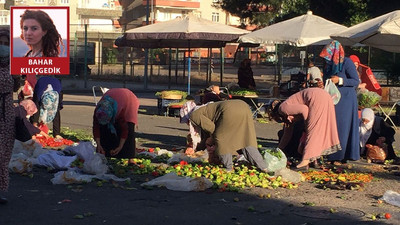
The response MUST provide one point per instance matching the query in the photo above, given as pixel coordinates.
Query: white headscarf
(366, 129)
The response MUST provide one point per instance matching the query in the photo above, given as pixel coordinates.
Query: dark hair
(273, 111)
(51, 41)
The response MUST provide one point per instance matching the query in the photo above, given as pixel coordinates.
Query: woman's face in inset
(32, 32)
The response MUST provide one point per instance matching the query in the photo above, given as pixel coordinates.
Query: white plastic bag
(55, 160)
(199, 156)
(331, 88)
(74, 176)
(273, 162)
(392, 197)
(96, 165)
(85, 150)
(20, 163)
(176, 183)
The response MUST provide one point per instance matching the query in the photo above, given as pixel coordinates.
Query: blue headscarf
(106, 111)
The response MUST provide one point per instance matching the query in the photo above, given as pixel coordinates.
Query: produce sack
(367, 99)
(274, 158)
(375, 152)
(55, 160)
(331, 88)
(176, 183)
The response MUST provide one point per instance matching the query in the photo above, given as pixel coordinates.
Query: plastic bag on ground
(289, 175)
(176, 183)
(275, 159)
(55, 160)
(392, 198)
(375, 152)
(97, 165)
(199, 156)
(85, 150)
(76, 177)
(20, 163)
(28, 148)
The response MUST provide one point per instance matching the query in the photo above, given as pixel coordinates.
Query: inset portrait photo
(40, 40)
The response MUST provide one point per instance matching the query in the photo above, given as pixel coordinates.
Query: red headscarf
(355, 59)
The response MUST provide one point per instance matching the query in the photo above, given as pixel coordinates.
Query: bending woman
(315, 106)
(114, 123)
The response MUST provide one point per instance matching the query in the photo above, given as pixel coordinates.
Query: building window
(215, 17)
(39, 1)
(64, 1)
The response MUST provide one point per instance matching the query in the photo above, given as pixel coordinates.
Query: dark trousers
(110, 141)
(250, 153)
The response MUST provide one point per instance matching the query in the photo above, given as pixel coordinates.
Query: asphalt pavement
(36, 201)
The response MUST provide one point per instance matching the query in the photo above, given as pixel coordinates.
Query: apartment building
(4, 14)
(136, 14)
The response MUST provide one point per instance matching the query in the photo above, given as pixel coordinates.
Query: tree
(346, 12)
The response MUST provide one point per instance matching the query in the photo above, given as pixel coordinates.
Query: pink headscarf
(29, 106)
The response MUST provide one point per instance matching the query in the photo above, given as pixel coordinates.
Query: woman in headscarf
(343, 73)
(7, 119)
(375, 131)
(114, 123)
(357, 63)
(315, 107)
(245, 75)
(24, 129)
(48, 98)
(194, 137)
(230, 125)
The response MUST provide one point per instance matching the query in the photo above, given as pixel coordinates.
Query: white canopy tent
(300, 31)
(382, 32)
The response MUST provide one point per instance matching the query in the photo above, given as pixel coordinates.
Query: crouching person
(24, 129)
(114, 123)
(231, 126)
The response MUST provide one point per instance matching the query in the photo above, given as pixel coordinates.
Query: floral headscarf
(48, 105)
(333, 54)
(106, 111)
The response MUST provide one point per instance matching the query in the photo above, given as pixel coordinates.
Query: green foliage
(76, 135)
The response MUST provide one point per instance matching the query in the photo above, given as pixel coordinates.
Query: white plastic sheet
(176, 183)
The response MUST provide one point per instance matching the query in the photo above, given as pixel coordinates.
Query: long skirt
(110, 141)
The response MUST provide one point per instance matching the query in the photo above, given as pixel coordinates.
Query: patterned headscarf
(106, 111)
(29, 106)
(333, 54)
(48, 105)
(186, 110)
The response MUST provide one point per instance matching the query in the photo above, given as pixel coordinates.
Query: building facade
(140, 12)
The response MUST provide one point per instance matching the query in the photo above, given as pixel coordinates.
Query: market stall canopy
(381, 32)
(189, 31)
(300, 31)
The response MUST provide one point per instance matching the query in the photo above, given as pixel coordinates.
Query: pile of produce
(242, 176)
(338, 179)
(173, 94)
(368, 99)
(53, 142)
(243, 92)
